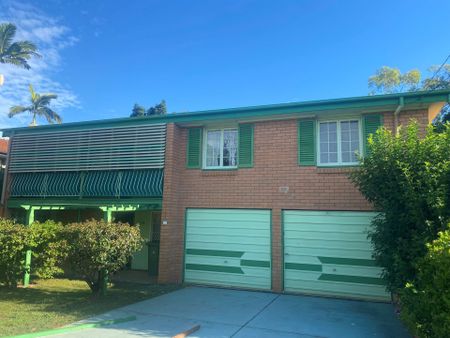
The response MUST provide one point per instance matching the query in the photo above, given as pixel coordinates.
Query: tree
(387, 80)
(39, 107)
(99, 249)
(137, 111)
(16, 53)
(158, 109)
(407, 178)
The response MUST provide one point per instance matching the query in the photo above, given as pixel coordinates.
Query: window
(221, 148)
(339, 142)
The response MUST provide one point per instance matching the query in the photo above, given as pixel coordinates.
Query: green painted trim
(271, 249)
(259, 264)
(219, 253)
(37, 203)
(347, 261)
(322, 166)
(220, 169)
(388, 101)
(282, 250)
(183, 272)
(215, 268)
(304, 267)
(352, 279)
(75, 328)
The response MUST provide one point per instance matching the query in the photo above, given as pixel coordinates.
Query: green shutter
(194, 148)
(370, 125)
(307, 142)
(245, 147)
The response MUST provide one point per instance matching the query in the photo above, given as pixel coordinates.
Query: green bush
(44, 239)
(14, 241)
(407, 178)
(49, 248)
(426, 301)
(98, 249)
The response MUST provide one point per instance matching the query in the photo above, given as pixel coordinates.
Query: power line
(442, 65)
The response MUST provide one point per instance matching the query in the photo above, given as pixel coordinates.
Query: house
(253, 197)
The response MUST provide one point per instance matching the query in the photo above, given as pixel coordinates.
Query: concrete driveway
(231, 313)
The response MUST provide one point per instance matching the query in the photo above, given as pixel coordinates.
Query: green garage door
(228, 247)
(328, 253)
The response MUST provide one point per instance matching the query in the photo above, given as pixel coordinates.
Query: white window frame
(338, 131)
(205, 147)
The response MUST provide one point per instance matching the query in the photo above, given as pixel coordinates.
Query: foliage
(98, 249)
(137, 111)
(44, 239)
(14, 240)
(49, 248)
(389, 80)
(426, 301)
(39, 107)
(158, 109)
(407, 178)
(16, 53)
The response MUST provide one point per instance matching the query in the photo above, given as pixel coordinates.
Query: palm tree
(38, 107)
(17, 53)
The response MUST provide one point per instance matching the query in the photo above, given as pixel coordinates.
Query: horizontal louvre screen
(139, 147)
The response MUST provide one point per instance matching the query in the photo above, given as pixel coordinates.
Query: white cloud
(51, 37)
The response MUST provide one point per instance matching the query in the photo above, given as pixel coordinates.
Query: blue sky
(103, 56)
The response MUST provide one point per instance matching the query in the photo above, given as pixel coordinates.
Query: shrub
(98, 249)
(44, 239)
(407, 178)
(14, 240)
(426, 301)
(49, 248)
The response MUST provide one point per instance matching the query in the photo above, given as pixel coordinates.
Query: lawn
(53, 303)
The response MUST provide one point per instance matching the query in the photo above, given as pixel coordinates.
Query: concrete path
(231, 313)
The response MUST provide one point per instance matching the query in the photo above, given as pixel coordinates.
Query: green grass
(54, 303)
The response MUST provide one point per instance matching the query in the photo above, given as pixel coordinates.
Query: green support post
(104, 273)
(26, 277)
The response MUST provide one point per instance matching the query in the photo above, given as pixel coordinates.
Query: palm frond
(17, 61)
(7, 32)
(49, 114)
(44, 99)
(18, 110)
(32, 92)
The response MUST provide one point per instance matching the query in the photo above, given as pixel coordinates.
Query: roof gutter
(401, 104)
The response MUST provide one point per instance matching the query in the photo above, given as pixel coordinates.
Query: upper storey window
(221, 148)
(339, 142)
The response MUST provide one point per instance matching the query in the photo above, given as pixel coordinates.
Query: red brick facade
(275, 182)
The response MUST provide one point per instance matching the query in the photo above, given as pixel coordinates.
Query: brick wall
(275, 182)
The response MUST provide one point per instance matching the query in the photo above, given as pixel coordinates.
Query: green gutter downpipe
(400, 106)
(26, 276)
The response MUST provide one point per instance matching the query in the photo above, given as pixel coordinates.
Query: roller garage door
(328, 253)
(228, 247)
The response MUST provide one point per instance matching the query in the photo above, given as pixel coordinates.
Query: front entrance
(149, 223)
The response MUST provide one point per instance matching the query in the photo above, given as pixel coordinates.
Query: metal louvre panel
(140, 147)
(111, 183)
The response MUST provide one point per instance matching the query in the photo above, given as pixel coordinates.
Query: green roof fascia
(75, 203)
(361, 102)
